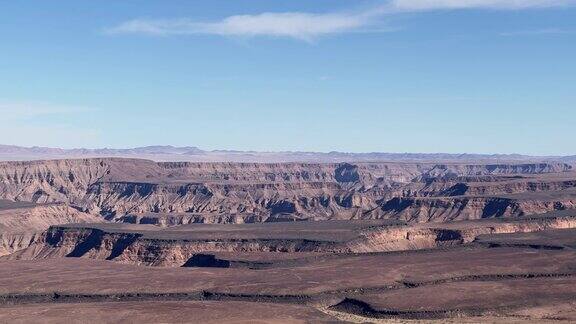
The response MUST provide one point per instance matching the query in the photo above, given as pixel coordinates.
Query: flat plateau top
(318, 231)
(329, 231)
(553, 239)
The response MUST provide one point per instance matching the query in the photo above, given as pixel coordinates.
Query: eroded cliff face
(23, 226)
(125, 190)
(306, 200)
(133, 248)
(420, 210)
(161, 249)
(426, 236)
(50, 181)
(12, 242)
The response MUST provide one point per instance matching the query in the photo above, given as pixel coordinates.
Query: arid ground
(129, 240)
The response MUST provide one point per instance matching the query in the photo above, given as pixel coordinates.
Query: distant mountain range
(194, 154)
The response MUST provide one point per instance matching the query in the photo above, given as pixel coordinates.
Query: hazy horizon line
(200, 150)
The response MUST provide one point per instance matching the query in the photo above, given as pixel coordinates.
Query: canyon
(146, 191)
(417, 241)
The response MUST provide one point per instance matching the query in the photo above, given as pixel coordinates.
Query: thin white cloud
(18, 110)
(305, 26)
(418, 5)
(308, 26)
(26, 123)
(536, 32)
(24, 134)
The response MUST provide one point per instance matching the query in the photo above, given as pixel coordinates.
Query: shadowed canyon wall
(173, 193)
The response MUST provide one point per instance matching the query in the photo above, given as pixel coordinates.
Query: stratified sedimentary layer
(497, 240)
(175, 193)
(194, 244)
(22, 224)
(479, 282)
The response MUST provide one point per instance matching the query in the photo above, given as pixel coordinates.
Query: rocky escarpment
(426, 236)
(454, 170)
(306, 200)
(125, 189)
(185, 247)
(462, 207)
(21, 227)
(135, 248)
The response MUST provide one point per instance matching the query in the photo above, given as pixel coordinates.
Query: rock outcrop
(145, 191)
(21, 227)
(181, 247)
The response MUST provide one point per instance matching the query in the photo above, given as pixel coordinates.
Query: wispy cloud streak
(27, 123)
(304, 26)
(25, 110)
(536, 32)
(419, 5)
(308, 26)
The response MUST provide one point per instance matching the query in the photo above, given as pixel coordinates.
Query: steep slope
(126, 189)
(21, 226)
(179, 246)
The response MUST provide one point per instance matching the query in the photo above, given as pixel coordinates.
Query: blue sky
(482, 76)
